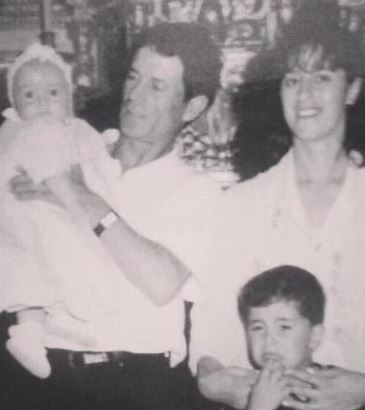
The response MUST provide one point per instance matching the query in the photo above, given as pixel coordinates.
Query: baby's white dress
(47, 258)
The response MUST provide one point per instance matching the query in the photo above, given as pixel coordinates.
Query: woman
(309, 211)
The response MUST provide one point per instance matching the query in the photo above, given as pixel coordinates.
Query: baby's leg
(26, 342)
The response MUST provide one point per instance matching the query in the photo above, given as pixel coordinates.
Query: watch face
(105, 222)
(109, 219)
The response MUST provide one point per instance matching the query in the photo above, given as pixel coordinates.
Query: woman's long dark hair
(263, 137)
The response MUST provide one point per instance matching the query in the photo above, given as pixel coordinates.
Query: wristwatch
(105, 222)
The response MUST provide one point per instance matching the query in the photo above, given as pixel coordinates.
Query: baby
(282, 311)
(50, 258)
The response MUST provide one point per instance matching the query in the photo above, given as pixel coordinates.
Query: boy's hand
(271, 388)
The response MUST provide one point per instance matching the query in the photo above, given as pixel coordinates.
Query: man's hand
(228, 385)
(23, 188)
(331, 389)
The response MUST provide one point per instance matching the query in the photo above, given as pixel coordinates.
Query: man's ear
(195, 107)
(316, 336)
(353, 91)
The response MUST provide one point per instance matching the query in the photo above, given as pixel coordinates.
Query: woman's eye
(131, 76)
(29, 94)
(322, 78)
(290, 81)
(285, 327)
(54, 92)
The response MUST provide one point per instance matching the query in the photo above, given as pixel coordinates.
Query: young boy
(282, 311)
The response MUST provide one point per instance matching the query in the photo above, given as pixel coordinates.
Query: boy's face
(40, 88)
(279, 332)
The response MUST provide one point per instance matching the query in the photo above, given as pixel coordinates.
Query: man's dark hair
(284, 283)
(198, 53)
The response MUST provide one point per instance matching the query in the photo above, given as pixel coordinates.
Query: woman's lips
(308, 112)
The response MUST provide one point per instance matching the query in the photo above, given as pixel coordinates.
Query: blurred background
(244, 132)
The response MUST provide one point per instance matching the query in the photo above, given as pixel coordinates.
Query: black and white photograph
(182, 204)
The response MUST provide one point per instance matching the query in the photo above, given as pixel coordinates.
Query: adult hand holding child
(332, 388)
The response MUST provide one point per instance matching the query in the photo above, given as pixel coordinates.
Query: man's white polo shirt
(168, 202)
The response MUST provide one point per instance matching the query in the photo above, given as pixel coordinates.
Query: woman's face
(314, 98)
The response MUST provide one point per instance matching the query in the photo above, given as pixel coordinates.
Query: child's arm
(228, 385)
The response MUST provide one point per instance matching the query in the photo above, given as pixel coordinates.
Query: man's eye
(285, 327)
(256, 328)
(54, 92)
(158, 85)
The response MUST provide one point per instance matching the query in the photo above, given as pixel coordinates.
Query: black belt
(70, 358)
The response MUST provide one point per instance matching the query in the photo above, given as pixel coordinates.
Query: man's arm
(227, 385)
(151, 267)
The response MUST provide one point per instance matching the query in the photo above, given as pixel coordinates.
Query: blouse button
(317, 247)
(337, 331)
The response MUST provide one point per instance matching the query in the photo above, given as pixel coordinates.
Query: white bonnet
(43, 53)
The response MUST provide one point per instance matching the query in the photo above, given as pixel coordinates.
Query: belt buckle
(79, 359)
(90, 358)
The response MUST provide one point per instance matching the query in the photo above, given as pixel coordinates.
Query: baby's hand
(24, 189)
(271, 388)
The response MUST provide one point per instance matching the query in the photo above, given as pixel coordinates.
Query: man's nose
(136, 91)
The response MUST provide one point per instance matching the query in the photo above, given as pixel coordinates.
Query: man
(155, 213)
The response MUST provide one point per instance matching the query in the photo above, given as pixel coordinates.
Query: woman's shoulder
(262, 184)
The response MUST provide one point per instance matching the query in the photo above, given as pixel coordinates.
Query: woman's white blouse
(262, 224)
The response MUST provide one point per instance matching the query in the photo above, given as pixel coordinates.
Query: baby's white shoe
(26, 346)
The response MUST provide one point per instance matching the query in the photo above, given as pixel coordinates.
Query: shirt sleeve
(186, 226)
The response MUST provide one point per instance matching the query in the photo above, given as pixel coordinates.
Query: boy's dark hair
(288, 283)
(198, 53)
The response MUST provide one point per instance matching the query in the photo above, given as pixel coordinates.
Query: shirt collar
(284, 198)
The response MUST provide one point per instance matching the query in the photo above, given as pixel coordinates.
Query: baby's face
(279, 332)
(41, 89)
